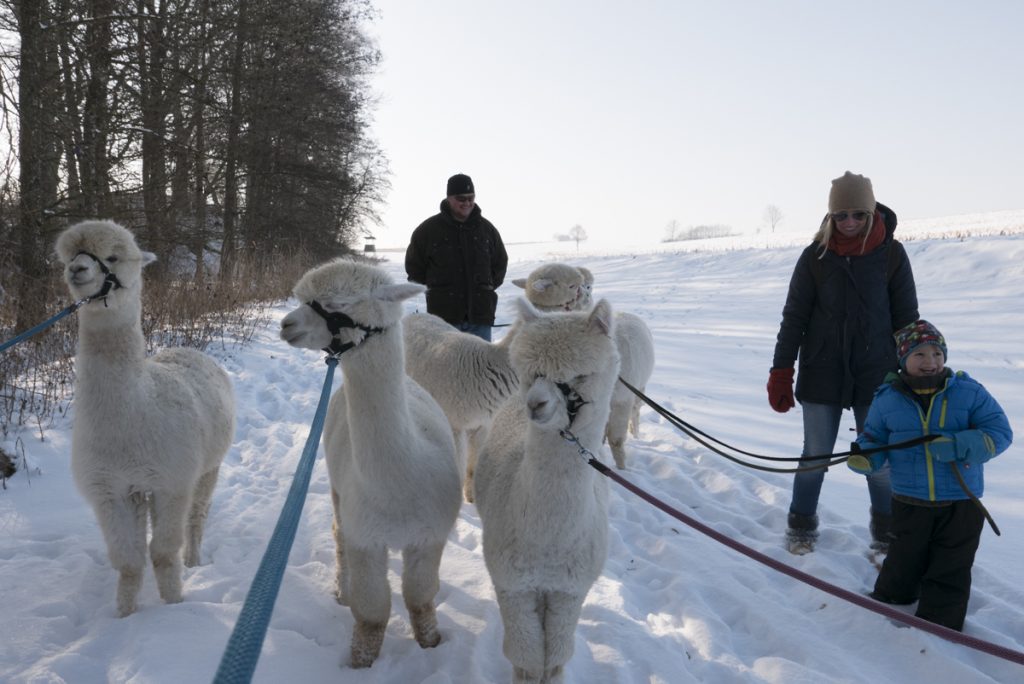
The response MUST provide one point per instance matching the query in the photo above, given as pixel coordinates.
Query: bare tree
(672, 231)
(772, 216)
(577, 233)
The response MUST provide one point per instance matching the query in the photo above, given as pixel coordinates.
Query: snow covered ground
(671, 606)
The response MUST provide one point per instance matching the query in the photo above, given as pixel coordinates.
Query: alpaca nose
(537, 408)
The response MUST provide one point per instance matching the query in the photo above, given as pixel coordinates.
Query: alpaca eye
(112, 258)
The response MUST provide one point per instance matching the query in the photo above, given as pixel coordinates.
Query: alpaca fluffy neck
(374, 387)
(551, 458)
(111, 336)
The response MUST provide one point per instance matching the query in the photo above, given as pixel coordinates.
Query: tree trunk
(39, 160)
(232, 152)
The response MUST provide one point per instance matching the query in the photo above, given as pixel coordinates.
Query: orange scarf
(856, 245)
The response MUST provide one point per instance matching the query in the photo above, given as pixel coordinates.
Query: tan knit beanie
(851, 191)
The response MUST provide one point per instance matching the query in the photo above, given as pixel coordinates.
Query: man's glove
(780, 389)
(971, 446)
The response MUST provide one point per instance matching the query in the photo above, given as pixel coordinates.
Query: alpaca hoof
(521, 675)
(424, 625)
(429, 640)
(366, 643)
(555, 675)
(191, 559)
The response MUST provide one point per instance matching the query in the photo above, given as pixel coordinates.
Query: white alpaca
(561, 287)
(389, 450)
(557, 287)
(544, 510)
(149, 433)
(469, 377)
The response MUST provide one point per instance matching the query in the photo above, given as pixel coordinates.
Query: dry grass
(37, 375)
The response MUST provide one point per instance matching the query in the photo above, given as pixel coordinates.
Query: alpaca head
(586, 290)
(91, 249)
(567, 364)
(553, 287)
(365, 294)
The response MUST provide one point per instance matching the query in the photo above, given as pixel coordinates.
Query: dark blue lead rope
(243, 649)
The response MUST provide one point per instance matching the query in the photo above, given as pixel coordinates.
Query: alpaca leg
(523, 643)
(371, 602)
(419, 587)
(168, 511)
(474, 444)
(615, 432)
(201, 496)
(561, 615)
(341, 570)
(123, 522)
(634, 415)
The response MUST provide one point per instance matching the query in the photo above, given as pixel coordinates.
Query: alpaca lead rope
(587, 455)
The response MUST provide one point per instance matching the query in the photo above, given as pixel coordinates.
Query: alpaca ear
(542, 284)
(526, 311)
(148, 258)
(398, 292)
(520, 282)
(601, 318)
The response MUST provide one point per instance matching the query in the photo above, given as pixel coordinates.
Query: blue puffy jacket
(897, 416)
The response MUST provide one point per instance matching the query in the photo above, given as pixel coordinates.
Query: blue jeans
(821, 427)
(481, 331)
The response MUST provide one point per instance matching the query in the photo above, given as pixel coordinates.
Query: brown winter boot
(802, 533)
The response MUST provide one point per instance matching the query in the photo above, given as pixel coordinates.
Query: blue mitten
(974, 446)
(943, 449)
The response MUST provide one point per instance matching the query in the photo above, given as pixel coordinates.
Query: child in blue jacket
(936, 526)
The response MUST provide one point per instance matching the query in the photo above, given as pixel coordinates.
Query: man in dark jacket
(459, 256)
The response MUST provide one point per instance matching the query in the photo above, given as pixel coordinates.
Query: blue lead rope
(41, 327)
(243, 649)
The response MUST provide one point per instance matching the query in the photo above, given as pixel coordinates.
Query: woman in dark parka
(851, 289)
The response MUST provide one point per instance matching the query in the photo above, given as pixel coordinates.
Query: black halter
(573, 401)
(110, 281)
(336, 321)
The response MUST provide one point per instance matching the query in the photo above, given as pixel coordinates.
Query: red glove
(780, 389)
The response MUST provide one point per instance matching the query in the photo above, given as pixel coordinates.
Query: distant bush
(674, 233)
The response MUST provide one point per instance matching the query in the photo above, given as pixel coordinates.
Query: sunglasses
(855, 215)
(464, 198)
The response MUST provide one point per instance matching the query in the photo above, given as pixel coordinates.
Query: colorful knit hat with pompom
(910, 337)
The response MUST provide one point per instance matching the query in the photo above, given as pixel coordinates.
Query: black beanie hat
(460, 184)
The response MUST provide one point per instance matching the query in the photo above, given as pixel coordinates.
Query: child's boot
(881, 532)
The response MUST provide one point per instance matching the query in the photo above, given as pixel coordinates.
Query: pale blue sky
(624, 116)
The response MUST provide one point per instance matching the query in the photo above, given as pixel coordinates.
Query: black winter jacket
(462, 265)
(840, 315)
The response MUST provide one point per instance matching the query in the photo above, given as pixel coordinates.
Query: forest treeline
(231, 136)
